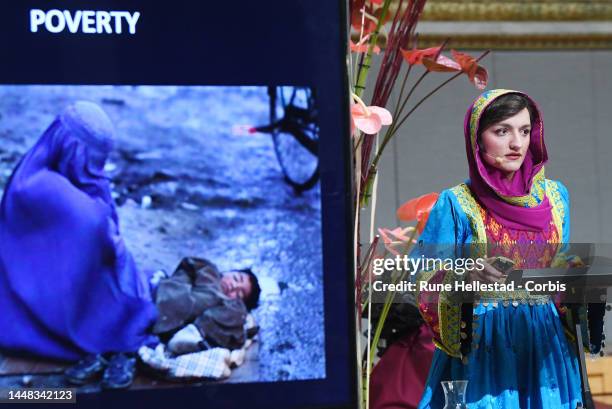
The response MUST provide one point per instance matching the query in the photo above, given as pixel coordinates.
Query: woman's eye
(501, 131)
(526, 132)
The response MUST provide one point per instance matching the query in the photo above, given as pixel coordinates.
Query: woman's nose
(516, 142)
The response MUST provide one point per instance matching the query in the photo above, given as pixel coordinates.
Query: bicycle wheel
(296, 138)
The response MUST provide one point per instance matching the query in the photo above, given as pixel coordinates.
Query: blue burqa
(68, 285)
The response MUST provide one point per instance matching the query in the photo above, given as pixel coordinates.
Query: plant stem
(391, 131)
(388, 135)
(364, 68)
(373, 209)
(380, 324)
(388, 302)
(358, 63)
(368, 361)
(418, 104)
(399, 111)
(359, 140)
(402, 89)
(434, 91)
(356, 277)
(361, 103)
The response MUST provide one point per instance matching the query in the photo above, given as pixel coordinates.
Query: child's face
(236, 284)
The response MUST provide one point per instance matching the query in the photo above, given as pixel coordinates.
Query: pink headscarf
(520, 203)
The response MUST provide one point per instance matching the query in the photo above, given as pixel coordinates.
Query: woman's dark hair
(252, 301)
(505, 107)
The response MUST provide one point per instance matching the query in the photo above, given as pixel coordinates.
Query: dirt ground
(187, 185)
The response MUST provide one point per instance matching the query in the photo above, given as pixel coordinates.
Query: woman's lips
(514, 156)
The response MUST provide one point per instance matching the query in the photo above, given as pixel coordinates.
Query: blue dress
(520, 356)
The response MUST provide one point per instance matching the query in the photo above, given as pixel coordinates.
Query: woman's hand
(488, 274)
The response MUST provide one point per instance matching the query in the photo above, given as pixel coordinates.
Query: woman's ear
(480, 144)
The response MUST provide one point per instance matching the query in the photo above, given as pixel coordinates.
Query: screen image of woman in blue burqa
(68, 285)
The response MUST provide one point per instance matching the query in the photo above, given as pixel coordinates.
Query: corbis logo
(84, 21)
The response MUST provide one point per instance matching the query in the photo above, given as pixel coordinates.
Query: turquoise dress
(520, 356)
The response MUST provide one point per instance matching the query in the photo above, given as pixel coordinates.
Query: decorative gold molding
(516, 1)
(513, 41)
(517, 10)
(519, 41)
(516, 24)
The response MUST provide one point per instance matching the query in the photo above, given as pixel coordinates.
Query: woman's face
(505, 143)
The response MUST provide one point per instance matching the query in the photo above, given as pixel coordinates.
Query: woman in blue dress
(511, 347)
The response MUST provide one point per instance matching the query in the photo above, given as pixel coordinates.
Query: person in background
(398, 379)
(198, 308)
(209, 306)
(69, 287)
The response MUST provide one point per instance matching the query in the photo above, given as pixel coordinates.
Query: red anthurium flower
(357, 17)
(416, 56)
(418, 209)
(370, 120)
(477, 74)
(370, 19)
(442, 64)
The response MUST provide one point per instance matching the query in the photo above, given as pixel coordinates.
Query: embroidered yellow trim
(449, 312)
(479, 106)
(472, 209)
(558, 209)
(535, 197)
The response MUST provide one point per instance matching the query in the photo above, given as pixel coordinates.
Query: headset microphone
(498, 159)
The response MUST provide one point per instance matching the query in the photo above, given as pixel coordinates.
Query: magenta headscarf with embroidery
(520, 203)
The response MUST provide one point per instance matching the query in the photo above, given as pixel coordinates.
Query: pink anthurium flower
(362, 46)
(395, 238)
(442, 64)
(369, 120)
